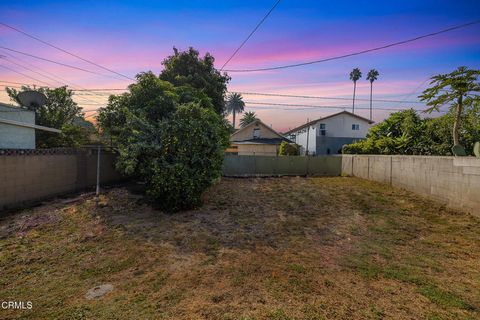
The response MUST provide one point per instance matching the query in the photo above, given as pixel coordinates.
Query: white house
(327, 135)
(17, 127)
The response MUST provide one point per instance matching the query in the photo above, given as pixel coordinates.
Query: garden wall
(246, 166)
(454, 181)
(30, 177)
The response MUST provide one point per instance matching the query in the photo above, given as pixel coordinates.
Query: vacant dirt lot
(283, 248)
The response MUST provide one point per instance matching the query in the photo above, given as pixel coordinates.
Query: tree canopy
(60, 112)
(459, 90)
(235, 105)
(248, 118)
(188, 68)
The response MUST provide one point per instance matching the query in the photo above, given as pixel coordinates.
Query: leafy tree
(288, 149)
(355, 75)
(60, 112)
(248, 118)
(188, 68)
(457, 89)
(235, 105)
(372, 76)
(169, 135)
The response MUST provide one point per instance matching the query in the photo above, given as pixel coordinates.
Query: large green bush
(179, 157)
(171, 135)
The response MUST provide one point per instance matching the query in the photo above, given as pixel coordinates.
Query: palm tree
(372, 76)
(248, 118)
(355, 75)
(235, 105)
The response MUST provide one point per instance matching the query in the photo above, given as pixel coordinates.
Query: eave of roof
(28, 125)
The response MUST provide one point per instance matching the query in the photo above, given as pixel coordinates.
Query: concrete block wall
(29, 178)
(454, 181)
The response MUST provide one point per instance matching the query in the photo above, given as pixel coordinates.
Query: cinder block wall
(32, 177)
(454, 181)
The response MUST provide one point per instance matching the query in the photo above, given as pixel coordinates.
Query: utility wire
(358, 52)
(65, 51)
(252, 93)
(318, 97)
(316, 106)
(26, 75)
(250, 35)
(56, 62)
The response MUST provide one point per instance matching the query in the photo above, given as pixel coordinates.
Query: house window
(256, 133)
(323, 130)
(355, 127)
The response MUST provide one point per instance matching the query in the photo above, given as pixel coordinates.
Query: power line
(358, 52)
(319, 97)
(26, 75)
(317, 106)
(250, 35)
(65, 51)
(56, 62)
(254, 93)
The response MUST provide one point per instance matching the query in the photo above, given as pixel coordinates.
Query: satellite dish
(32, 98)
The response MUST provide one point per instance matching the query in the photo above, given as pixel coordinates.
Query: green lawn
(270, 248)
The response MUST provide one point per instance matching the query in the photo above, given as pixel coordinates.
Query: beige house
(256, 139)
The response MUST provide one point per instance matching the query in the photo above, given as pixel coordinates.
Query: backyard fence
(247, 166)
(454, 181)
(30, 176)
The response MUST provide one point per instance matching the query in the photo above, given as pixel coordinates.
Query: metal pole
(308, 135)
(97, 192)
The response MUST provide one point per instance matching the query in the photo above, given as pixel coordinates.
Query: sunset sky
(134, 36)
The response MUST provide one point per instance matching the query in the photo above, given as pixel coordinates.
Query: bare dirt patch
(283, 248)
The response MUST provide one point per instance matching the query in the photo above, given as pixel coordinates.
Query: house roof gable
(258, 121)
(327, 117)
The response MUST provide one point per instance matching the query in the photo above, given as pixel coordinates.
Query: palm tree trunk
(456, 124)
(371, 88)
(234, 120)
(354, 88)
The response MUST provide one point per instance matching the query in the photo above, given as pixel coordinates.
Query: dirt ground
(267, 248)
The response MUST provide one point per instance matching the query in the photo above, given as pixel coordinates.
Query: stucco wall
(29, 178)
(454, 181)
(341, 126)
(15, 137)
(256, 149)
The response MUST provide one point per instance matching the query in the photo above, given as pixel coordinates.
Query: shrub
(288, 149)
(179, 158)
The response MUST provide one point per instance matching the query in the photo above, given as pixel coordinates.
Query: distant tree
(288, 149)
(248, 118)
(355, 75)
(188, 68)
(235, 105)
(457, 89)
(372, 76)
(60, 112)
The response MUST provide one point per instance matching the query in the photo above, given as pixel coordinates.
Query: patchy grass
(283, 248)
